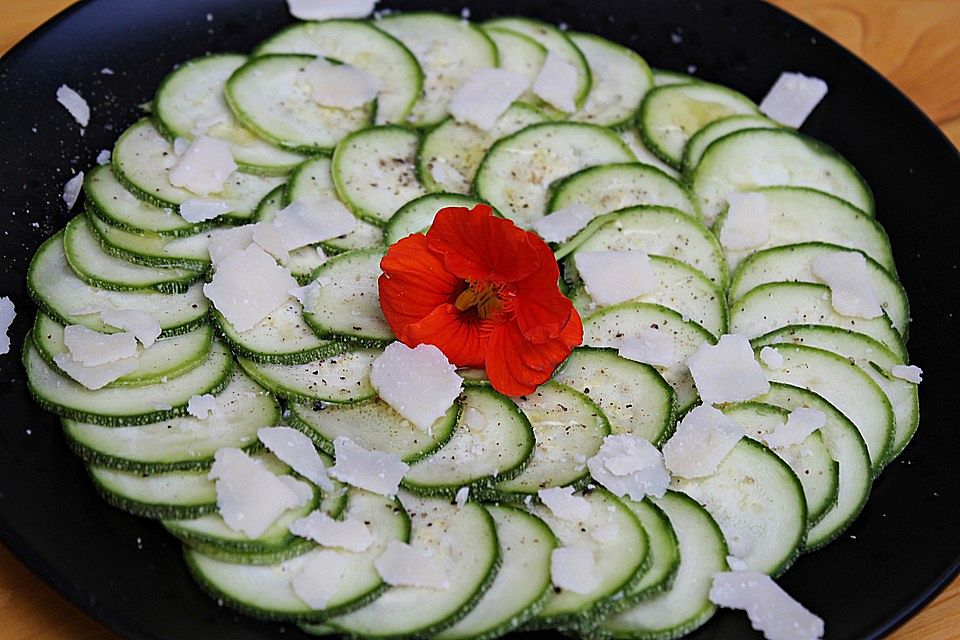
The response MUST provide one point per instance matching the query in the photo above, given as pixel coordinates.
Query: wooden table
(914, 43)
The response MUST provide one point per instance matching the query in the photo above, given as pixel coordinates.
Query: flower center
(482, 298)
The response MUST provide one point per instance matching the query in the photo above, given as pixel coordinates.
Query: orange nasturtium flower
(485, 293)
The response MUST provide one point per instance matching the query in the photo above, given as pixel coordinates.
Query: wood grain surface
(914, 43)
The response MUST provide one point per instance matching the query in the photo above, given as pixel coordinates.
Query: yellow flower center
(482, 298)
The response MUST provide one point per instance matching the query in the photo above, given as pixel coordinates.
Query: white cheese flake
(420, 383)
(305, 222)
(652, 346)
(320, 577)
(910, 373)
(727, 371)
(202, 407)
(564, 223)
(341, 86)
(327, 9)
(74, 103)
(269, 238)
(851, 288)
(71, 190)
(205, 166)
(249, 497)
(771, 358)
(556, 83)
(564, 504)
(702, 440)
(103, 158)
(306, 293)
(402, 565)
(197, 210)
(747, 224)
(574, 569)
(462, 497)
(485, 96)
(180, 145)
(630, 466)
(224, 242)
(611, 277)
(374, 471)
(350, 534)
(800, 423)
(141, 324)
(247, 286)
(297, 450)
(97, 376)
(91, 348)
(7, 315)
(792, 98)
(771, 610)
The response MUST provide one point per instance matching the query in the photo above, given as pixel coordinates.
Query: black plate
(128, 572)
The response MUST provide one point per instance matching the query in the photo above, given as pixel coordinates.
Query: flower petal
(517, 366)
(477, 246)
(414, 282)
(457, 334)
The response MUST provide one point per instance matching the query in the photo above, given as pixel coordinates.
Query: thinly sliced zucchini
(522, 586)
(758, 501)
(143, 158)
(374, 171)
(554, 40)
(164, 494)
(266, 591)
(448, 49)
(659, 231)
(810, 460)
(846, 447)
(476, 456)
(844, 385)
(780, 304)
(301, 262)
(166, 358)
(874, 359)
(634, 396)
(312, 180)
(342, 378)
(664, 552)
(271, 96)
(670, 115)
(465, 548)
(678, 287)
(799, 215)
(452, 151)
(362, 45)
(516, 174)
(620, 80)
(631, 137)
(152, 249)
(373, 425)
(609, 326)
(568, 428)
(611, 187)
(793, 263)
(107, 199)
(620, 549)
(417, 215)
(182, 443)
(753, 158)
(69, 300)
(98, 268)
(664, 77)
(283, 337)
(520, 54)
(192, 97)
(697, 144)
(686, 605)
(347, 305)
(124, 406)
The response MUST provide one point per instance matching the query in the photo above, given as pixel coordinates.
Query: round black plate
(128, 572)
